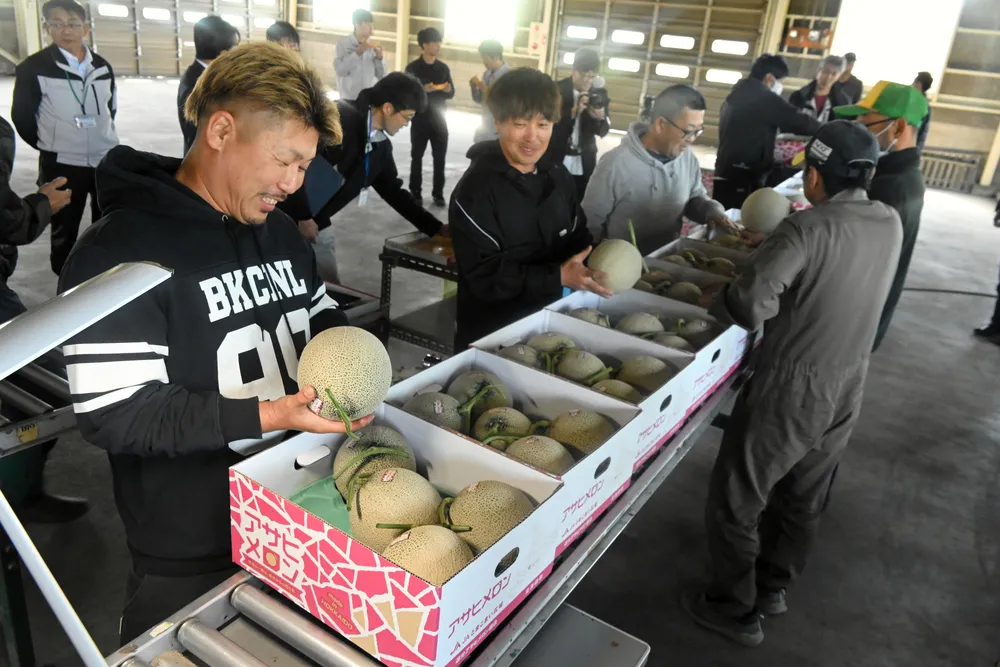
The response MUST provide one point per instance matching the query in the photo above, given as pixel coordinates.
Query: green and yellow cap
(889, 99)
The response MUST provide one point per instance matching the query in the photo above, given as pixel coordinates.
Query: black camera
(597, 98)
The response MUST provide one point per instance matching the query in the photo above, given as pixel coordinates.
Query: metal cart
(433, 326)
(241, 623)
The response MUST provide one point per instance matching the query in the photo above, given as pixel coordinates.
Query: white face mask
(776, 87)
(888, 149)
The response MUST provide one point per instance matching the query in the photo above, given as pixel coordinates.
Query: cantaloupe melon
(501, 422)
(731, 241)
(583, 367)
(695, 257)
(639, 324)
(551, 342)
(542, 452)
(491, 509)
(721, 266)
(673, 341)
(581, 431)
(619, 389)
(693, 327)
(656, 277)
(646, 373)
(436, 408)
(684, 291)
(764, 209)
(477, 392)
(433, 553)
(376, 449)
(394, 497)
(679, 260)
(643, 286)
(348, 367)
(619, 260)
(592, 315)
(522, 354)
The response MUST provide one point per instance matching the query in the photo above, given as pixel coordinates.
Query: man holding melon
(519, 233)
(173, 383)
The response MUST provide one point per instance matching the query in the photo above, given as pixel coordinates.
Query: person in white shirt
(64, 106)
(358, 62)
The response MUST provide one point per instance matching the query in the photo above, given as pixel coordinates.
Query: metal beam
(990, 168)
(29, 29)
(402, 34)
(773, 29)
(547, 26)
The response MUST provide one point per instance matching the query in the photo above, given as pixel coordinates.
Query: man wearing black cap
(817, 284)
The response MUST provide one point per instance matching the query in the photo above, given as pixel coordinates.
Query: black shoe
(745, 631)
(772, 602)
(990, 332)
(417, 199)
(48, 508)
(439, 201)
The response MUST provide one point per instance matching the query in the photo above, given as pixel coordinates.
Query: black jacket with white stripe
(511, 232)
(167, 383)
(49, 97)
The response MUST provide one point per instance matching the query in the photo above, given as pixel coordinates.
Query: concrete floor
(906, 567)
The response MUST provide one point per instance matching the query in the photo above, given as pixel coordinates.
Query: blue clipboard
(321, 183)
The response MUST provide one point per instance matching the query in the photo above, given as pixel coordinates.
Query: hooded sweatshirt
(511, 233)
(631, 184)
(167, 382)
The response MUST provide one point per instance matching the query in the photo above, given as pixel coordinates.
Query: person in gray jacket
(358, 62)
(817, 284)
(652, 178)
(491, 51)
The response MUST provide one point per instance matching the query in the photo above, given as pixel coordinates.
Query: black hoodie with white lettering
(168, 382)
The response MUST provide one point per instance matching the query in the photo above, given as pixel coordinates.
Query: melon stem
(467, 407)
(354, 489)
(631, 231)
(539, 425)
(394, 526)
(602, 374)
(369, 453)
(342, 414)
(443, 517)
(508, 438)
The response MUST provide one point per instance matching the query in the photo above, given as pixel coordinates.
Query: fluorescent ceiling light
(673, 71)
(112, 11)
(569, 58)
(581, 32)
(627, 37)
(156, 13)
(465, 22)
(193, 17)
(624, 64)
(722, 76)
(732, 47)
(677, 42)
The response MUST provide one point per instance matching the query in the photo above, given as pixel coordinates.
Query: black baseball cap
(842, 148)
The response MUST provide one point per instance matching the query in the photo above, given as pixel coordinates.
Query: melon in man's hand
(349, 368)
(620, 261)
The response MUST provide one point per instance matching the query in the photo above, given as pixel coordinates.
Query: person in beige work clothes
(358, 62)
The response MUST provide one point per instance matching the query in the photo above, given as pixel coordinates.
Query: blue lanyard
(368, 146)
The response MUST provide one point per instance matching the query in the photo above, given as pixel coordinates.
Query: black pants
(731, 187)
(995, 322)
(150, 599)
(66, 223)
(435, 130)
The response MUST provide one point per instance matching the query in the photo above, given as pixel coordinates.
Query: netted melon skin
(551, 342)
(639, 324)
(578, 366)
(492, 509)
(646, 373)
(436, 408)
(582, 431)
(371, 436)
(352, 364)
(542, 452)
(467, 385)
(592, 315)
(433, 553)
(618, 389)
(619, 260)
(521, 354)
(503, 421)
(394, 496)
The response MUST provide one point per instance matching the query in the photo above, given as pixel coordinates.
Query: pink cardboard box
(395, 616)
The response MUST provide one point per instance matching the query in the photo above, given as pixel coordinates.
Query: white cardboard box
(392, 614)
(663, 411)
(714, 362)
(594, 482)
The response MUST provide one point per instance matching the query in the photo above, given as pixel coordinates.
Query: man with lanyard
(894, 113)
(64, 106)
(344, 173)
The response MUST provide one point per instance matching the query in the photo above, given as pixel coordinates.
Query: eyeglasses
(57, 26)
(689, 135)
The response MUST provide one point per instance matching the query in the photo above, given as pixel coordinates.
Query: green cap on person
(889, 99)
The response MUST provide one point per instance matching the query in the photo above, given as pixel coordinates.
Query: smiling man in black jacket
(363, 161)
(518, 230)
(177, 381)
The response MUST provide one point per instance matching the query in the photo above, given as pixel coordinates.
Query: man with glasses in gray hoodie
(652, 178)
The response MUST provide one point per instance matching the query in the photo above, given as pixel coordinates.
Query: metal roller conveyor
(22, 400)
(304, 635)
(212, 648)
(47, 380)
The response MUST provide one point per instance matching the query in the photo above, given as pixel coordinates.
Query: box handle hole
(507, 561)
(717, 354)
(603, 468)
(666, 402)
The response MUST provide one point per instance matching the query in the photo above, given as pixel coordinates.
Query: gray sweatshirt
(354, 72)
(630, 184)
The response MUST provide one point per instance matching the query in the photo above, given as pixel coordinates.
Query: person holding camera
(582, 119)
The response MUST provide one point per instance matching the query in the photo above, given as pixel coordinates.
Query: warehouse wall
(8, 35)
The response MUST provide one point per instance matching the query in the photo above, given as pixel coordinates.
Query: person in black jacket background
(748, 126)
(516, 224)
(923, 83)
(212, 37)
(362, 161)
(574, 136)
(64, 106)
(430, 124)
(176, 384)
(21, 222)
(284, 33)
(818, 97)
